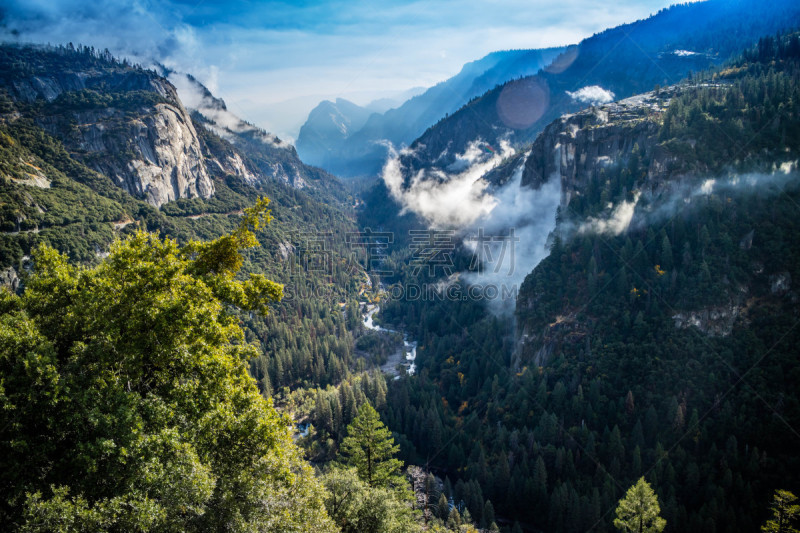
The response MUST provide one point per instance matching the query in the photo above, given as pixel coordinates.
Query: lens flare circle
(522, 102)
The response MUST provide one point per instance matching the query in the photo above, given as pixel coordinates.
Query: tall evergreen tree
(369, 447)
(638, 511)
(443, 507)
(785, 512)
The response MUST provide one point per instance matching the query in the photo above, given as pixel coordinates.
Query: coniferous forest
(200, 332)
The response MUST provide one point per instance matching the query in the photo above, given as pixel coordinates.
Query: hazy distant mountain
(272, 157)
(382, 105)
(328, 126)
(361, 150)
(614, 64)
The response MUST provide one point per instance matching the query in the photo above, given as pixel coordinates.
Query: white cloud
(616, 222)
(675, 196)
(708, 186)
(224, 123)
(452, 198)
(507, 228)
(592, 94)
(519, 225)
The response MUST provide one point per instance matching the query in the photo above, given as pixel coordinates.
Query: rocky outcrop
(250, 153)
(154, 155)
(167, 162)
(251, 156)
(537, 346)
(714, 321)
(9, 279)
(125, 122)
(719, 321)
(152, 152)
(233, 164)
(34, 177)
(780, 283)
(576, 147)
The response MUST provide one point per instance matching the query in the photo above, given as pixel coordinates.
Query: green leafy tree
(125, 402)
(369, 447)
(343, 496)
(638, 511)
(785, 512)
(355, 507)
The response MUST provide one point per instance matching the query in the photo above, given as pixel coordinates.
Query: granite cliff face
(172, 164)
(130, 124)
(250, 153)
(155, 156)
(124, 122)
(574, 148)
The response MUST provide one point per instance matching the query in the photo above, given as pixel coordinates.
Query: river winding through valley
(409, 348)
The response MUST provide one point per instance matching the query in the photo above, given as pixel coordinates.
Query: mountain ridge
(362, 152)
(625, 60)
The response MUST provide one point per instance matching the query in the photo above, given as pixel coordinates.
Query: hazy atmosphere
(516, 266)
(274, 61)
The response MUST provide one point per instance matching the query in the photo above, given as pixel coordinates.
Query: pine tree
(454, 519)
(630, 404)
(370, 447)
(442, 507)
(488, 514)
(637, 460)
(785, 512)
(638, 511)
(324, 414)
(540, 486)
(666, 252)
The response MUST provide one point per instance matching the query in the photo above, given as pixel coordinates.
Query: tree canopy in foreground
(125, 402)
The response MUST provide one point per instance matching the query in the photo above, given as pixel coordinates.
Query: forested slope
(662, 346)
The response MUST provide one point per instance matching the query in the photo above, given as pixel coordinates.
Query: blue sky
(273, 61)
